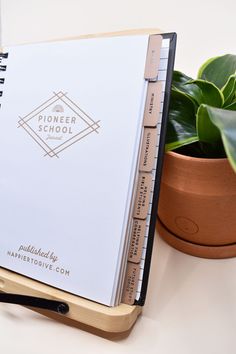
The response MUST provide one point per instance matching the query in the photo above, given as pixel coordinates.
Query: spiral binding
(2, 68)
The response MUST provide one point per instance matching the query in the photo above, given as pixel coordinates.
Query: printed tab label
(143, 195)
(148, 149)
(137, 239)
(153, 57)
(153, 104)
(130, 284)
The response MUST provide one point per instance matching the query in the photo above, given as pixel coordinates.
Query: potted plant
(197, 206)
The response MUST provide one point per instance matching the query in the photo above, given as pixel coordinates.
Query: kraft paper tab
(137, 239)
(130, 284)
(153, 104)
(143, 195)
(153, 57)
(148, 149)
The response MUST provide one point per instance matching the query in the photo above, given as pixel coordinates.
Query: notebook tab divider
(146, 164)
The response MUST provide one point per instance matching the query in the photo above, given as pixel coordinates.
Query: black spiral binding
(3, 67)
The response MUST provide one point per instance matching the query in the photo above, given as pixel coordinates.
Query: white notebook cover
(69, 138)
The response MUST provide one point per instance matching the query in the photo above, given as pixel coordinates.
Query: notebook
(81, 146)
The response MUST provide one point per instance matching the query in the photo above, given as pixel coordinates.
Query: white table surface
(191, 302)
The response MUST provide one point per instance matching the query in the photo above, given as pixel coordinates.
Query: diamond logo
(57, 124)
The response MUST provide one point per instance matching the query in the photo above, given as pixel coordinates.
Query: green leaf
(228, 90)
(231, 107)
(209, 134)
(204, 65)
(218, 69)
(207, 131)
(179, 82)
(225, 121)
(179, 79)
(207, 93)
(181, 127)
(177, 144)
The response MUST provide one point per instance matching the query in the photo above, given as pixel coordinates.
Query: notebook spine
(3, 68)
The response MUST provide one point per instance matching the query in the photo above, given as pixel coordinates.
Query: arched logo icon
(57, 124)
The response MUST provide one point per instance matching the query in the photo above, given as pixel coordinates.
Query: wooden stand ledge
(107, 319)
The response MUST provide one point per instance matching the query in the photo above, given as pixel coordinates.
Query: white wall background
(205, 28)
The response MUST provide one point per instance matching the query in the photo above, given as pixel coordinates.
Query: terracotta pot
(197, 206)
